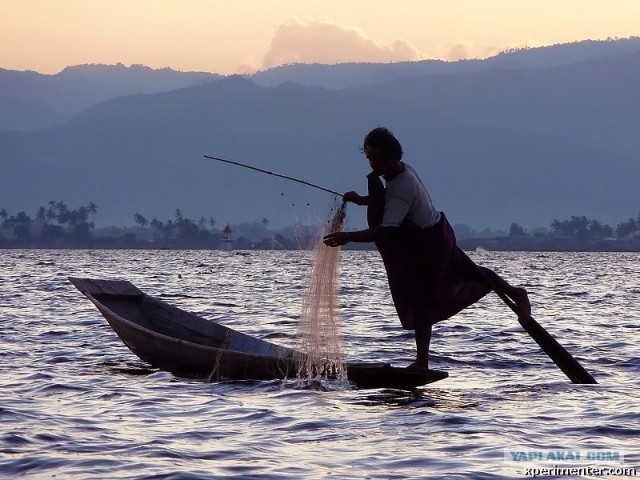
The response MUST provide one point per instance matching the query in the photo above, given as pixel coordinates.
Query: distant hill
(595, 102)
(353, 75)
(30, 100)
(144, 154)
(495, 145)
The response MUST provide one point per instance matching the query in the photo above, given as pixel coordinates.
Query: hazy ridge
(508, 139)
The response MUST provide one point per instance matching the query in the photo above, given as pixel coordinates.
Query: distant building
(227, 241)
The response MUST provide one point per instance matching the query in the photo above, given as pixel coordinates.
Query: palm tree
(22, 226)
(42, 215)
(63, 212)
(168, 228)
(157, 226)
(140, 220)
(8, 221)
(79, 222)
(83, 214)
(51, 213)
(557, 227)
(92, 209)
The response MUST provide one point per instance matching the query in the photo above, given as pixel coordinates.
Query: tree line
(59, 226)
(584, 228)
(51, 223)
(56, 225)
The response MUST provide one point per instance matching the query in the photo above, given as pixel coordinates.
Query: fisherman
(429, 277)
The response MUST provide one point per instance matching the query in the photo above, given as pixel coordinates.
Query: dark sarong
(429, 278)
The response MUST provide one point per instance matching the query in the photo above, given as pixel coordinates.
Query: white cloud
(249, 65)
(325, 41)
(328, 42)
(465, 49)
(456, 50)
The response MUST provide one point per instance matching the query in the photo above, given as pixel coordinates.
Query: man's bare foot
(523, 306)
(417, 367)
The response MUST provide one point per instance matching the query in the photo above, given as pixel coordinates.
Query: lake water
(75, 403)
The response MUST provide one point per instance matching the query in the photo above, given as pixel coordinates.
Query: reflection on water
(76, 403)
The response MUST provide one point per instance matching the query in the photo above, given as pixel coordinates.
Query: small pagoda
(226, 242)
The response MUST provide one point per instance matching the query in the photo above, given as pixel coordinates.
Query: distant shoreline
(490, 245)
(531, 244)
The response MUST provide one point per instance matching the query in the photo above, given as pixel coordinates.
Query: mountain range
(527, 136)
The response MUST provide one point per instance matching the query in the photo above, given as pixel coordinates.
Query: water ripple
(75, 403)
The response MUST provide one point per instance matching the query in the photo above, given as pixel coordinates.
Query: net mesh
(319, 329)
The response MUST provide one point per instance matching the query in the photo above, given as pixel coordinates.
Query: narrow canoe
(186, 344)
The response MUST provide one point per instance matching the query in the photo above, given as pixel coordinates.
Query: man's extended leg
(517, 294)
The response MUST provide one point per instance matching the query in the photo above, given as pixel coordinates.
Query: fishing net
(319, 329)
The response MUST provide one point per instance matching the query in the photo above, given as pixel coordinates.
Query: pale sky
(242, 36)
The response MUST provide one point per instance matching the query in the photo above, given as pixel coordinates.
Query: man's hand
(336, 239)
(354, 197)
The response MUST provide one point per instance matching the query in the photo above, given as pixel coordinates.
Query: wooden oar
(550, 346)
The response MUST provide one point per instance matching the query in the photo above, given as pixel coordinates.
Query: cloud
(465, 49)
(325, 41)
(456, 50)
(328, 42)
(249, 65)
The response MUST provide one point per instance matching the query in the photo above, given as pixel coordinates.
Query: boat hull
(187, 345)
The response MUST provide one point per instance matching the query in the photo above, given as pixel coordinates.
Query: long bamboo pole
(273, 174)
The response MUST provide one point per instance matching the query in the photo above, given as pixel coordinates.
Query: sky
(244, 36)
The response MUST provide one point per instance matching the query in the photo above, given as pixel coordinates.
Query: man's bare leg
(423, 341)
(517, 294)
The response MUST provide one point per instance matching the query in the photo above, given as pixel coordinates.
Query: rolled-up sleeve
(395, 211)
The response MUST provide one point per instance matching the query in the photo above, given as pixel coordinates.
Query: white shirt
(407, 197)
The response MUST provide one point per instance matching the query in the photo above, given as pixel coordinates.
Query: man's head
(382, 149)
(382, 139)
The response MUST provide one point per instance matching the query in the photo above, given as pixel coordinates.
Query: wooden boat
(186, 344)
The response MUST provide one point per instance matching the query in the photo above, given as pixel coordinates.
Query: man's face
(378, 162)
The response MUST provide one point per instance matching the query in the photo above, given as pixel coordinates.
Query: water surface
(75, 403)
